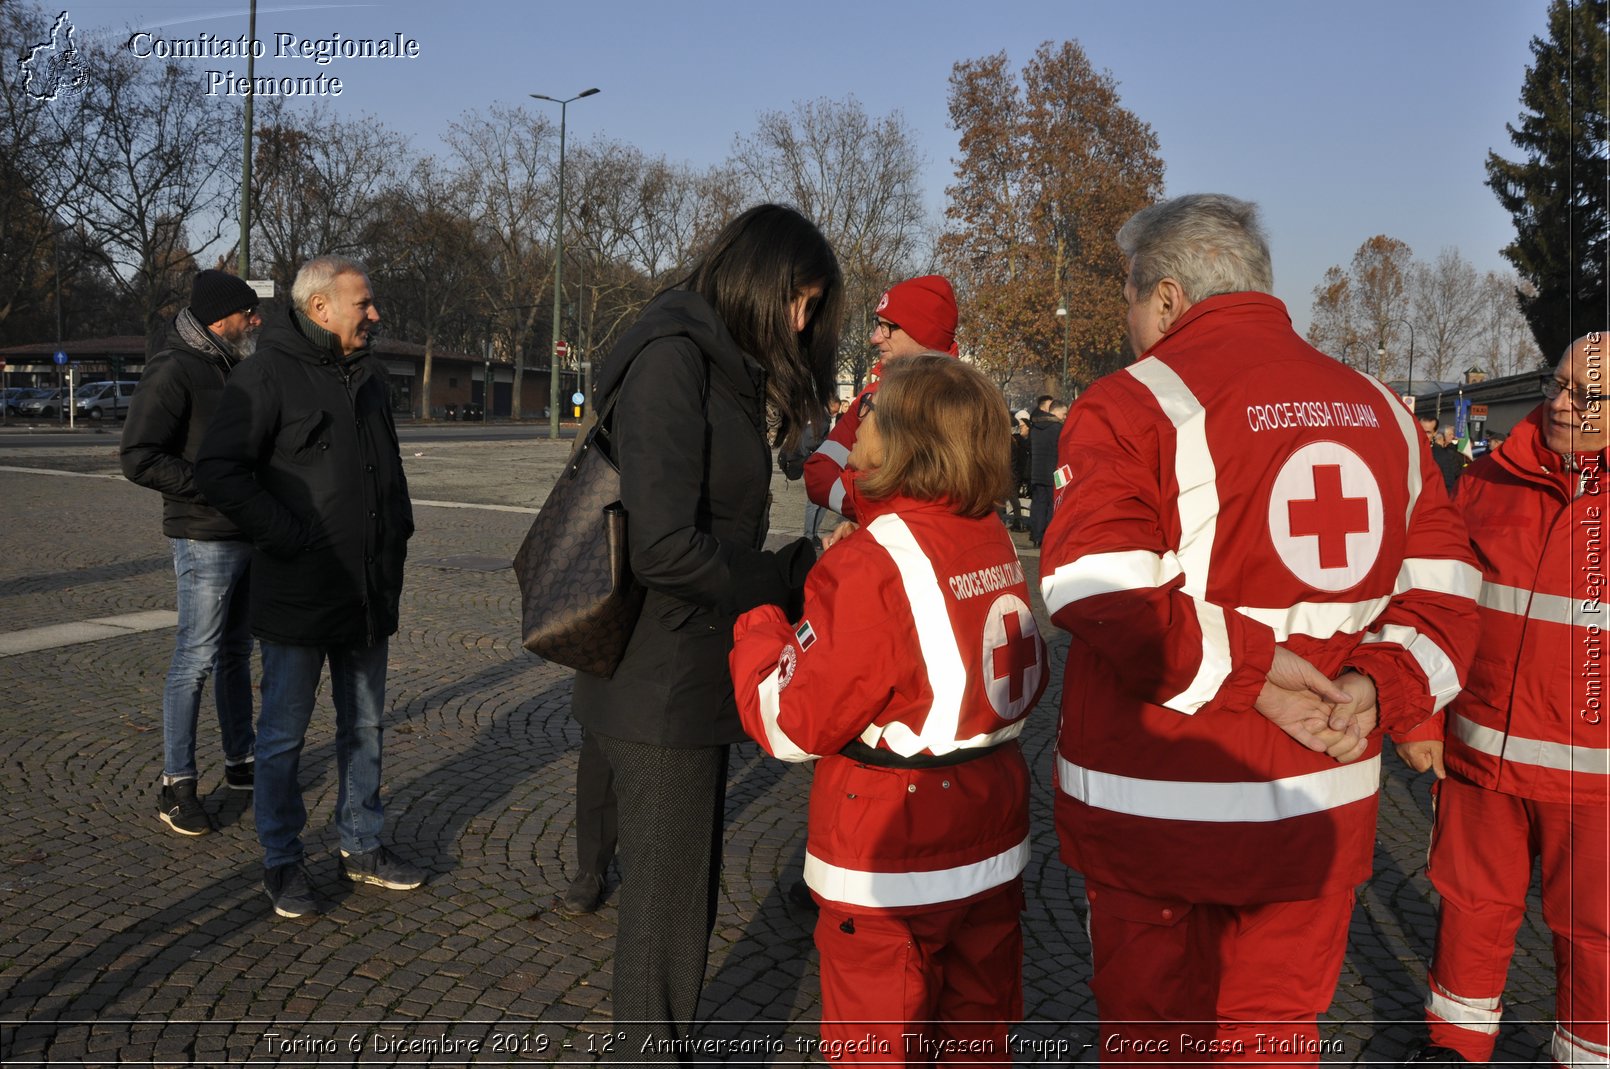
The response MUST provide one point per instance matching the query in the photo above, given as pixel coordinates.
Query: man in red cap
(914, 316)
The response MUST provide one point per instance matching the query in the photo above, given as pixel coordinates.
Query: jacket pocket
(305, 440)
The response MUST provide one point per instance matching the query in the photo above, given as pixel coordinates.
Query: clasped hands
(1330, 716)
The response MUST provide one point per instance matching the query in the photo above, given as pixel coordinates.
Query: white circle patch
(1325, 517)
(787, 661)
(1014, 657)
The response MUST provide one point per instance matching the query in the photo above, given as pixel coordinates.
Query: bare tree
(428, 264)
(1507, 344)
(508, 155)
(154, 177)
(1367, 308)
(858, 179)
(316, 183)
(1445, 306)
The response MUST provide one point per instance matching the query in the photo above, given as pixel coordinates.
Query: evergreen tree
(1557, 192)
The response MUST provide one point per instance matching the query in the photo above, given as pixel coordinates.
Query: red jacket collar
(1248, 304)
(1525, 453)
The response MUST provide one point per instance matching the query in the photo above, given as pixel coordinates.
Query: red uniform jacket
(917, 646)
(1531, 720)
(828, 482)
(1232, 490)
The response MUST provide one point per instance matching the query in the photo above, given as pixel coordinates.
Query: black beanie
(216, 295)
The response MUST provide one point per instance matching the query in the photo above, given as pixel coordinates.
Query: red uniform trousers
(1181, 983)
(932, 988)
(1482, 848)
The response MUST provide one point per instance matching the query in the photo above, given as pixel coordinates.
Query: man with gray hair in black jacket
(303, 456)
(167, 417)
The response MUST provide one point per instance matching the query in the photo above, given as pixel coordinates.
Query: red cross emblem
(1015, 659)
(1329, 516)
(1326, 516)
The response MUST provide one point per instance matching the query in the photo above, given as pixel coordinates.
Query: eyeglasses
(865, 406)
(883, 327)
(1581, 399)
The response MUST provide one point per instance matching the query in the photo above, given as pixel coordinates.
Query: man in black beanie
(168, 414)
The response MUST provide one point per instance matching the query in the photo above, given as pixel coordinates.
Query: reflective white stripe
(1550, 608)
(1194, 472)
(942, 659)
(1326, 619)
(1321, 619)
(1523, 751)
(835, 496)
(1568, 1049)
(777, 741)
(1441, 676)
(1221, 803)
(1477, 1014)
(837, 452)
(1440, 575)
(1412, 434)
(1215, 666)
(1198, 508)
(897, 889)
(1106, 573)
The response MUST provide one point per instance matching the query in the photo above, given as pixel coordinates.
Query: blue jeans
(214, 639)
(358, 689)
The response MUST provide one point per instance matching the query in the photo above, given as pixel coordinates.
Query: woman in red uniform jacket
(908, 678)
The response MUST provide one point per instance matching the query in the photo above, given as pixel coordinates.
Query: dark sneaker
(586, 894)
(240, 777)
(1431, 1054)
(290, 890)
(382, 868)
(181, 810)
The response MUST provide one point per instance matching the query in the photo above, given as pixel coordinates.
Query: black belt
(856, 750)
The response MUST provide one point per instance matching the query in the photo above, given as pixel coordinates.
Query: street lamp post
(558, 262)
(1409, 389)
(1062, 313)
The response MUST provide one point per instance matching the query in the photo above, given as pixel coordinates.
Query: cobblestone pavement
(122, 943)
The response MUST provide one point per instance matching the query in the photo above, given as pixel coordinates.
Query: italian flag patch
(1062, 477)
(805, 635)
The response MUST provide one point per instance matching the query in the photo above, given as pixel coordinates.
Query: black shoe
(290, 890)
(382, 868)
(800, 895)
(1431, 1054)
(240, 777)
(585, 895)
(180, 809)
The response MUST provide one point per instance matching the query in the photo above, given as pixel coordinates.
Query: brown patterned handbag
(578, 599)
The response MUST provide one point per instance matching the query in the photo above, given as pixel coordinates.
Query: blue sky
(1343, 120)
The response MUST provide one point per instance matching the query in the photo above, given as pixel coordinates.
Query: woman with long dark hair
(738, 352)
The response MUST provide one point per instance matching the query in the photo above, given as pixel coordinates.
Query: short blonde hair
(946, 435)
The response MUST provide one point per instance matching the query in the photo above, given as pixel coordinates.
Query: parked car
(100, 400)
(46, 404)
(16, 395)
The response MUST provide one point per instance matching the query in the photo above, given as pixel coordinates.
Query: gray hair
(1207, 242)
(317, 277)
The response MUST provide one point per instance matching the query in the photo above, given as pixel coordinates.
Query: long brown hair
(750, 274)
(946, 435)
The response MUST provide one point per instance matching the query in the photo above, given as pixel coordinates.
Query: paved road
(121, 943)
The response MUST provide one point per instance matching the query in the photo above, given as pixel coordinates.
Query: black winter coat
(168, 415)
(689, 433)
(303, 456)
(1044, 431)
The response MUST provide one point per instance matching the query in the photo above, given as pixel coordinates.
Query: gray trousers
(670, 805)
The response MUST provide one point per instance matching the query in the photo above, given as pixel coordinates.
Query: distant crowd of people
(1252, 610)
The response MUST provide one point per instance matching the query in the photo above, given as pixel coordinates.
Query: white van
(99, 400)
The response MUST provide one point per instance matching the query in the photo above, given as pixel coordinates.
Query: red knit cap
(924, 308)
